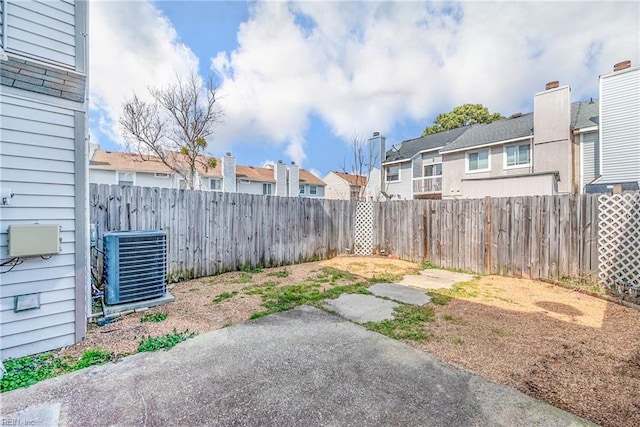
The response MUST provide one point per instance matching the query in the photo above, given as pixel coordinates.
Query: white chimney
(294, 180)
(377, 143)
(229, 173)
(280, 175)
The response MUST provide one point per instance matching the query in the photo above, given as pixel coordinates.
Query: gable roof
(585, 114)
(253, 173)
(309, 178)
(411, 147)
(134, 162)
(487, 133)
(351, 178)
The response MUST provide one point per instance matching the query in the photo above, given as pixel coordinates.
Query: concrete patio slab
(400, 293)
(435, 279)
(362, 308)
(303, 367)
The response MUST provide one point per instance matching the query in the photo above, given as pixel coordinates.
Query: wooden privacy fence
(534, 237)
(212, 232)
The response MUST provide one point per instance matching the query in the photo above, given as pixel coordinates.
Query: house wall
(372, 190)
(534, 185)
(620, 126)
(590, 144)
(320, 191)
(337, 188)
(552, 149)
(101, 176)
(454, 173)
(43, 160)
(402, 189)
(253, 187)
(141, 179)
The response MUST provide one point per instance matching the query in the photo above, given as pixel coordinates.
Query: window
(302, 189)
(478, 161)
(215, 184)
(266, 188)
(517, 155)
(125, 178)
(433, 170)
(393, 173)
(313, 189)
(161, 175)
(355, 193)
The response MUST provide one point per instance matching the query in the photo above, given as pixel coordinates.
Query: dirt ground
(574, 351)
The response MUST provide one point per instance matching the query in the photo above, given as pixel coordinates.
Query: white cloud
(367, 66)
(133, 46)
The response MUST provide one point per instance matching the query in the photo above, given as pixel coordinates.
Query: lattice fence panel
(363, 241)
(619, 239)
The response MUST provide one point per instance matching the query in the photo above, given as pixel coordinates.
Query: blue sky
(298, 79)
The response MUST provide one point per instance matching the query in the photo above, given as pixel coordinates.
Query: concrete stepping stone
(400, 293)
(435, 279)
(362, 308)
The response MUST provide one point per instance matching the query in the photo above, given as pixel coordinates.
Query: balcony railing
(427, 184)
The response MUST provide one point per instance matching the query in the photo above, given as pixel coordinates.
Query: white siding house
(620, 126)
(43, 165)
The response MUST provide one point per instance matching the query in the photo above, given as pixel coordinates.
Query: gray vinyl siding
(37, 141)
(43, 30)
(590, 157)
(620, 126)
(402, 189)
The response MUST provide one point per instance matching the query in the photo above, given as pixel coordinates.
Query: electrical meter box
(34, 240)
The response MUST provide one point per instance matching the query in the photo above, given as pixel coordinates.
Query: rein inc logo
(15, 422)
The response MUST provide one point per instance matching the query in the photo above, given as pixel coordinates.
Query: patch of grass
(226, 325)
(246, 268)
(591, 287)
(409, 322)
(281, 273)
(179, 275)
(386, 278)
(428, 265)
(332, 275)
(194, 289)
(224, 296)
(165, 341)
(438, 297)
(260, 288)
(288, 297)
(243, 278)
(154, 317)
(457, 340)
(452, 319)
(28, 370)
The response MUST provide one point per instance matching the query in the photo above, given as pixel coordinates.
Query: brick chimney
(552, 150)
(280, 175)
(229, 173)
(294, 180)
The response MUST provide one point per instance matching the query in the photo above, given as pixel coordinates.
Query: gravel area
(572, 350)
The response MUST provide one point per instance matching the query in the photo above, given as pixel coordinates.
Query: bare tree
(364, 157)
(175, 125)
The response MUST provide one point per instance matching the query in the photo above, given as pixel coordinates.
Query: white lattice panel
(363, 241)
(619, 239)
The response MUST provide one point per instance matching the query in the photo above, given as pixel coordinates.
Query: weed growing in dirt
(28, 370)
(288, 297)
(154, 317)
(165, 341)
(332, 275)
(438, 297)
(224, 296)
(246, 268)
(243, 278)
(409, 322)
(282, 274)
(260, 288)
(386, 278)
(428, 265)
(452, 319)
(459, 290)
(457, 340)
(591, 287)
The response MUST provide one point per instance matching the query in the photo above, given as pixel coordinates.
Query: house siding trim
(490, 144)
(82, 301)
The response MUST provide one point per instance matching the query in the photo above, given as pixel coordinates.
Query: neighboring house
(413, 170)
(345, 186)
(619, 131)
(43, 176)
(120, 168)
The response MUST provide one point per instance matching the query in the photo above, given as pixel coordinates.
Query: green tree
(462, 115)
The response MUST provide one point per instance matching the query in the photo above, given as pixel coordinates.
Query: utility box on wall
(27, 240)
